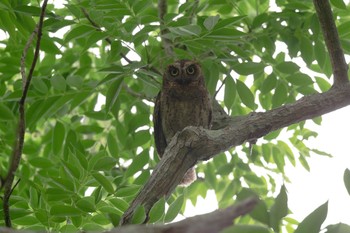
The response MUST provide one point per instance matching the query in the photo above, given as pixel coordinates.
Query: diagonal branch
(195, 144)
(331, 37)
(17, 150)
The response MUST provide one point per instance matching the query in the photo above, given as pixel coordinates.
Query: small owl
(183, 101)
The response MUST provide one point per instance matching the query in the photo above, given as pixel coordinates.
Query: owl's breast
(178, 113)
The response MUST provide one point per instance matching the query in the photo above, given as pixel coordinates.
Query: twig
(218, 90)
(17, 150)
(136, 94)
(331, 37)
(109, 41)
(167, 44)
(98, 28)
(24, 55)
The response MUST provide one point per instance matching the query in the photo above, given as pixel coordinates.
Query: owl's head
(183, 72)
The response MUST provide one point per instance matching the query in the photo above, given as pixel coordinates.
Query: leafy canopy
(83, 163)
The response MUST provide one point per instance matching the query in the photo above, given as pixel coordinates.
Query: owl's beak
(183, 81)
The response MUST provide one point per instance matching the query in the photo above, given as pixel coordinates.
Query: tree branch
(194, 144)
(167, 44)
(331, 37)
(206, 223)
(17, 150)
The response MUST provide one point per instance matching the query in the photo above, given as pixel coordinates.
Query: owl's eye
(173, 71)
(190, 70)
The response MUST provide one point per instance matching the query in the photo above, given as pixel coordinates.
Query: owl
(183, 101)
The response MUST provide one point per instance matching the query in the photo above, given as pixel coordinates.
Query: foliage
(83, 163)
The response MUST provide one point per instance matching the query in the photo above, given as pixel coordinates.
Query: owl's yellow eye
(173, 71)
(190, 70)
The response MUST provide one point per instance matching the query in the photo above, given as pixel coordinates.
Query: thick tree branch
(17, 150)
(331, 37)
(167, 44)
(206, 223)
(212, 222)
(195, 144)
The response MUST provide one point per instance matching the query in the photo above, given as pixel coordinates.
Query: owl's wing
(159, 137)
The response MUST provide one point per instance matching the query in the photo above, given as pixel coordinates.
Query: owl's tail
(189, 177)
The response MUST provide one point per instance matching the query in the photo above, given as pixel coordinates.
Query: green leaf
(323, 84)
(127, 191)
(304, 162)
(187, 30)
(139, 215)
(252, 178)
(64, 211)
(137, 164)
(339, 4)
(239, 228)
(30, 10)
(79, 32)
(105, 164)
(211, 21)
(269, 83)
(347, 180)
(92, 227)
(261, 213)
(228, 22)
(338, 228)
(249, 68)
(312, 223)
(174, 209)
(104, 182)
(89, 129)
(287, 67)
(110, 210)
(39, 85)
(230, 92)
(320, 54)
(86, 204)
(41, 162)
(119, 203)
(112, 145)
(58, 138)
(286, 149)
(279, 209)
(280, 95)
(6, 113)
(246, 95)
(300, 79)
(75, 81)
(26, 221)
(157, 211)
(113, 93)
(306, 49)
(58, 82)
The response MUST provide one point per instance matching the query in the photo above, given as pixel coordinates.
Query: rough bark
(331, 37)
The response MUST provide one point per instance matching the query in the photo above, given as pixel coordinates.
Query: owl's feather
(159, 137)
